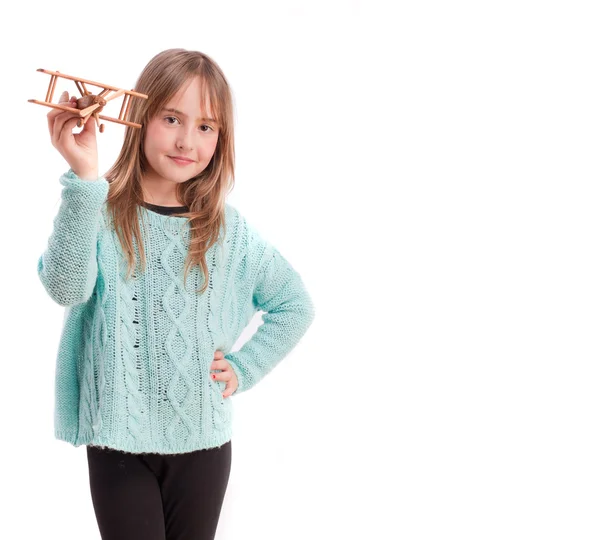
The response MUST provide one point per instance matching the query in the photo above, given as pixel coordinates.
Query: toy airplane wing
(89, 103)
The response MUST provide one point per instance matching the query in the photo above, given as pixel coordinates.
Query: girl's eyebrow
(170, 109)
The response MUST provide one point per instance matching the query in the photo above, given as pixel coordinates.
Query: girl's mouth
(181, 161)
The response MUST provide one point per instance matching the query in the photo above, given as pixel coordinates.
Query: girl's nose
(183, 144)
(184, 140)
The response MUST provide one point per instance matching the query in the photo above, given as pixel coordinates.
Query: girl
(159, 276)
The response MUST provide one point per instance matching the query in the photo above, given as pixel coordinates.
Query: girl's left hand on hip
(227, 374)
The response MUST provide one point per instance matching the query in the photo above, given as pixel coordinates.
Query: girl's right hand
(80, 149)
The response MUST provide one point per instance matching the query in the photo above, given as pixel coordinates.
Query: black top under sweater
(166, 210)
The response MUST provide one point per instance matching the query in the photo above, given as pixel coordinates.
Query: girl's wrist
(88, 175)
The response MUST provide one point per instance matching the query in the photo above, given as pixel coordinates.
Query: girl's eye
(167, 118)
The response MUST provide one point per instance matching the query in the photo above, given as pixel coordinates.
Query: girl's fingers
(52, 115)
(225, 376)
(63, 127)
(220, 364)
(228, 390)
(60, 119)
(222, 376)
(58, 125)
(67, 128)
(63, 100)
(230, 387)
(57, 122)
(55, 113)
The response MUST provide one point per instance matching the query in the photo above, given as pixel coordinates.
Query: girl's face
(180, 130)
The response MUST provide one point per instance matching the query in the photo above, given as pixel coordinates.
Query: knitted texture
(133, 364)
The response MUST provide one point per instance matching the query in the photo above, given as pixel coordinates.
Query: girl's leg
(126, 496)
(193, 487)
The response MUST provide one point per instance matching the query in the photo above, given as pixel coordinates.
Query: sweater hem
(218, 438)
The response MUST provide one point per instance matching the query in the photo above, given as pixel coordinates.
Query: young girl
(159, 276)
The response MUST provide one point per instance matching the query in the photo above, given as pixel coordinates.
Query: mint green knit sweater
(133, 364)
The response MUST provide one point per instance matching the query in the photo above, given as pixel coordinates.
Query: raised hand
(80, 150)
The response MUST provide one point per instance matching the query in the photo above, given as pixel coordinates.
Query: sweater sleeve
(279, 291)
(68, 268)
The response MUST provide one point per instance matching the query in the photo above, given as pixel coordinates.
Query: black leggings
(158, 497)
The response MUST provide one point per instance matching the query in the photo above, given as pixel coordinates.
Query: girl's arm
(68, 268)
(280, 292)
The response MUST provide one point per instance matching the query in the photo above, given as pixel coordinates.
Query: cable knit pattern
(133, 364)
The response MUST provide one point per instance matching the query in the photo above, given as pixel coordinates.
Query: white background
(431, 170)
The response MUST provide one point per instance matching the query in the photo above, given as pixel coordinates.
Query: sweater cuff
(88, 195)
(237, 372)
(71, 179)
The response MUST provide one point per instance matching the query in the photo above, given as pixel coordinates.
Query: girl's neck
(159, 194)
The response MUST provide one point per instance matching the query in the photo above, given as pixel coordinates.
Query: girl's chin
(177, 174)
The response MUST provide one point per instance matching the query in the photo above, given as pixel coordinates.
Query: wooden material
(125, 100)
(124, 122)
(89, 103)
(101, 85)
(56, 106)
(117, 94)
(51, 87)
(97, 117)
(126, 115)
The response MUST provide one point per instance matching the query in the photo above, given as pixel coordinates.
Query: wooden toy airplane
(91, 104)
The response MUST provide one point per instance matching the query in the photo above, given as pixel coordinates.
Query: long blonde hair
(204, 194)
